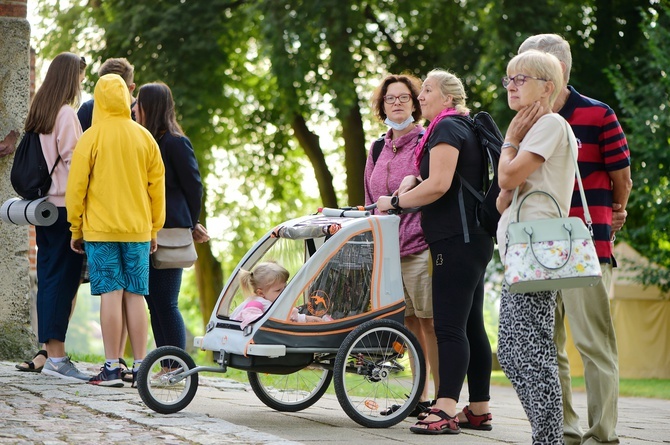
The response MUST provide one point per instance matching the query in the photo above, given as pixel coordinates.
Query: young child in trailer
(263, 285)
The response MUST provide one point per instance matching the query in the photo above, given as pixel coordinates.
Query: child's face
(271, 291)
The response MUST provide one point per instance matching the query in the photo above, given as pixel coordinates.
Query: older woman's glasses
(518, 80)
(403, 98)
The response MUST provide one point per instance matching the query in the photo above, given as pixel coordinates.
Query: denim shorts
(117, 265)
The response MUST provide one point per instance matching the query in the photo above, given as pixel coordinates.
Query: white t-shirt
(556, 176)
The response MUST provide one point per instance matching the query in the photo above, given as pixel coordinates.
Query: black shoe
(418, 409)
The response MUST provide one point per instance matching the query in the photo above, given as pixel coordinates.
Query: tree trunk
(310, 143)
(16, 336)
(208, 274)
(348, 111)
(354, 155)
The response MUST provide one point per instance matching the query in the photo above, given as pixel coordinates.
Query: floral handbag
(551, 254)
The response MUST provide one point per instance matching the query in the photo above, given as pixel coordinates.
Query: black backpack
(490, 141)
(31, 177)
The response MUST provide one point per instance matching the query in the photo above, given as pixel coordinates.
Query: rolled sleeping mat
(345, 213)
(37, 212)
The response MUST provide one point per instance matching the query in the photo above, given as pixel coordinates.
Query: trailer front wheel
(160, 382)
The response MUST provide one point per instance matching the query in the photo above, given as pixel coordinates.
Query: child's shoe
(108, 377)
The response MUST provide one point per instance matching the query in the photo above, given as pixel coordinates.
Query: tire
(154, 385)
(373, 379)
(291, 392)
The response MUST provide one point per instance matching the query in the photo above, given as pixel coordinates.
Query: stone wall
(16, 337)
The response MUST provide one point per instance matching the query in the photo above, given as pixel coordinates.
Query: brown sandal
(446, 424)
(476, 421)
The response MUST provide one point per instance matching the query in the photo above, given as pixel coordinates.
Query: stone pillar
(16, 337)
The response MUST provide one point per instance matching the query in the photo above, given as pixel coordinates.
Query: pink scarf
(419, 150)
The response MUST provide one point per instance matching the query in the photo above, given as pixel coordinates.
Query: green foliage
(642, 86)
(247, 74)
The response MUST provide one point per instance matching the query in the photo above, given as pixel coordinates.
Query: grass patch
(650, 388)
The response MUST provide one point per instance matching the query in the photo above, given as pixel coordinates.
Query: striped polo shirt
(603, 148)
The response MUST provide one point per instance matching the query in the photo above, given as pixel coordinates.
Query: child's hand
(294, 314)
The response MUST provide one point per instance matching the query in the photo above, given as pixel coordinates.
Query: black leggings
(167, 323)
(458, 301)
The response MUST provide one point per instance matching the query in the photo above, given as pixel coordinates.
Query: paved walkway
(38, 409)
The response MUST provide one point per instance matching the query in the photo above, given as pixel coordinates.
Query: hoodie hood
(111, 98)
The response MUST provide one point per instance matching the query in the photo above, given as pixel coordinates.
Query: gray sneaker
(64, 370)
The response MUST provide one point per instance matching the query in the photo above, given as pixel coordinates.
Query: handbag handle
(539, 192)
(587, 214)
(529, 231)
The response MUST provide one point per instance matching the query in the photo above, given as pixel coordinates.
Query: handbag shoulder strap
(573, 150)
(578, 176)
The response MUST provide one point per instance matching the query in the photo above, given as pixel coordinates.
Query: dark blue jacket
(85, 114)
(183, 187)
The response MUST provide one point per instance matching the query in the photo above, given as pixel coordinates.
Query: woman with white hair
(541, 161)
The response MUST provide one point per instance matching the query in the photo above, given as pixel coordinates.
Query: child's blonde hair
(262, 276)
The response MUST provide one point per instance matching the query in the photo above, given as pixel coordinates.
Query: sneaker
(108, 377)
(64, 370)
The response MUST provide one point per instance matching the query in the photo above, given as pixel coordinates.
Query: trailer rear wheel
(379, 373)
(291, 392)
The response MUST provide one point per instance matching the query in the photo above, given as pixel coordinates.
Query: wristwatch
(395, 202)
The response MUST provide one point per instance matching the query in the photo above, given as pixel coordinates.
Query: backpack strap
(463, 182)
(377, 148)
(55, 164)
(461, 208)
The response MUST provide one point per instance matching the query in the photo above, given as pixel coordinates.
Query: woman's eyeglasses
(403, 98)
(518, 80)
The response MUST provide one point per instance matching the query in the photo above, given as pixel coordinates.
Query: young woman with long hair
(53, 116)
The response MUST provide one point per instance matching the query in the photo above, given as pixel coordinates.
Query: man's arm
(621, 187)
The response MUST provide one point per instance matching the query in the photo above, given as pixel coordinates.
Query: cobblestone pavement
(39, 409)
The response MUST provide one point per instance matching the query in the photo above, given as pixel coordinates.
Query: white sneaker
(64, 370)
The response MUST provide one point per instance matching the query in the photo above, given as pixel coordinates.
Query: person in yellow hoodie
(115, 200)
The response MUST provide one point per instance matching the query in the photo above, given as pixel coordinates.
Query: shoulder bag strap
(574, 151)
(578, 176)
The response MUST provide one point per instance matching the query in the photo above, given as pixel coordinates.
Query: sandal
(426, 412)
(446, 424)
(126, 373)
(476, 421)
(419, 409)
(30, 366)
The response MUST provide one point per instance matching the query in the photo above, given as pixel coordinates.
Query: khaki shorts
(416, 280)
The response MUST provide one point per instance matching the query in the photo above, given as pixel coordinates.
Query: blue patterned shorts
(116, 265)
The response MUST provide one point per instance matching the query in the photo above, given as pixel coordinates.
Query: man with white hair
(604, 164)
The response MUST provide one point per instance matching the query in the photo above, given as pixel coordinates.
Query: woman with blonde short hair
(541, 161)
